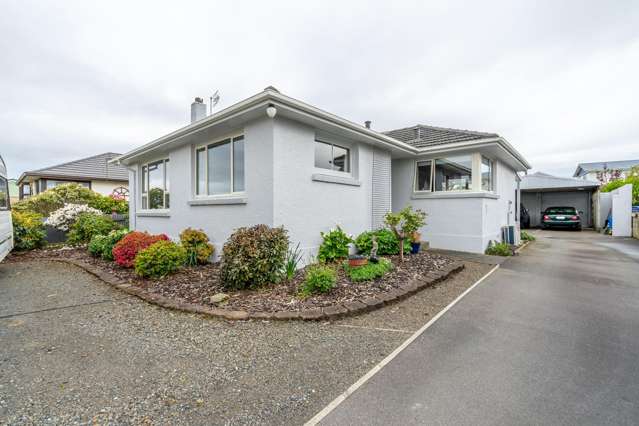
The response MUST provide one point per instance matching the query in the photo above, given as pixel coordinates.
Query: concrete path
(551, 338)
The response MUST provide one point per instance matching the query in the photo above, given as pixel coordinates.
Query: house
(96, 173)
(595, 171)
(276, 160)
(540, 191)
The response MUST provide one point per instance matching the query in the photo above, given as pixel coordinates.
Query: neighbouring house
(96, 173)
(604, 171)
(540, 191)
(13, 190)
(276, 160)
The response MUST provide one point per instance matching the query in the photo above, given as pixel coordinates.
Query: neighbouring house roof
(542, 181)
(584, 168)
(97, 167)
(421, 136)
(292, 108)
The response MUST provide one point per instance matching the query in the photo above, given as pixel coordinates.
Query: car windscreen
(561, 210)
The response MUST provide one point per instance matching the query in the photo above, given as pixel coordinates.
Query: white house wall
(307, 207)
(218, 221)
(458, 222)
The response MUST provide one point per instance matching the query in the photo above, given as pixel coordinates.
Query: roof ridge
(73, 161)
(472, 132)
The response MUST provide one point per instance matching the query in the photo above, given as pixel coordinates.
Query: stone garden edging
(316, 314)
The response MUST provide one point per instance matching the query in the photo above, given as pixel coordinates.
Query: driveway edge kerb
(332, 312)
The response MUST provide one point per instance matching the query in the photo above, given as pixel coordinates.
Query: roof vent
(418, 132)
(198, 110)
(367, 123)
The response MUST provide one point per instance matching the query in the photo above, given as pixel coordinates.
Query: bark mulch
(197, 284)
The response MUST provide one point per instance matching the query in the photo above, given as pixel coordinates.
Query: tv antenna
(215, 98)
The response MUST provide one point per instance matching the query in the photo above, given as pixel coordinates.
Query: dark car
(524, 217)
(561, 217)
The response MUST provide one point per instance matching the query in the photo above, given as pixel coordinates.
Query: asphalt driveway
(551, 338)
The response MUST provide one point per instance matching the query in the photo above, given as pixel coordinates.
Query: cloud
(557, 79)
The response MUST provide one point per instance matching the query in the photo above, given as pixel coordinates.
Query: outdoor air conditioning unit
(508, 234)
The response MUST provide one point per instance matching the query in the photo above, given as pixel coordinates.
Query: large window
(155, 185)
(332, 157)
(220, 167)
(486, 174)
(4, 194)
(453, 173)
(50, 184)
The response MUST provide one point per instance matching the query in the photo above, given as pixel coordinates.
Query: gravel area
(198, 284)
(77, 351)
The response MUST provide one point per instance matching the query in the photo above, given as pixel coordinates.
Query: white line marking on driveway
(337, 401)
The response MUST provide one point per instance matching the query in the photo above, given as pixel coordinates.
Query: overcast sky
(559, 80)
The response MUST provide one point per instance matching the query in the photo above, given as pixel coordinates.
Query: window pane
(26, 189)
(4, 194)
(486, 174)
(238, 164)
(200, 164)
(166, 176)
(423, 175)
(156, 185)
(453, 173)
(341, 162)
(323, 155)
(220, 168)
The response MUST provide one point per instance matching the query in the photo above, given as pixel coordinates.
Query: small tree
(404, 224)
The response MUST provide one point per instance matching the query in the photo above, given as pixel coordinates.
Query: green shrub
(28, 230)
(632, 180)
(73, 193)
(319, 279)
(87, 225)
(334, 245)
(102, 245)
(404, 224)
(387, 242)
(253, 257)
(499, 249)
(160, 259)
(370, 271)
(197, 246)
(525, 236)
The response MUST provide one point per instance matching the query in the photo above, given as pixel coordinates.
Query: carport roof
(544, 182)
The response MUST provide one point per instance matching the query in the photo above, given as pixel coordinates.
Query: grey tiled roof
(96, 167)
(421, 136)
(583, 168)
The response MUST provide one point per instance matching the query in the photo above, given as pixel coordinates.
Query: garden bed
(192, 287)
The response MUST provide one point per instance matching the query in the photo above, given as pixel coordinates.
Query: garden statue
(373, 258)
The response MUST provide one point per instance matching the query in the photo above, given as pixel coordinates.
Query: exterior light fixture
(271, 111)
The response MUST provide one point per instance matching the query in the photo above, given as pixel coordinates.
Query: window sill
(335, 179)
(453, 194)
(216, 201)
(151, 213)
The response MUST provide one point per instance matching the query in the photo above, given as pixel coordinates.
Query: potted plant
(415, 242)
(356, 260)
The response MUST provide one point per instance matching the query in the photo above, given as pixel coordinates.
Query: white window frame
(346, 146)
(205, 147)
(492, 174)
(432, 175)
(143, 194)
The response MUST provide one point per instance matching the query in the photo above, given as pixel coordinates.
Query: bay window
(332, 157)
(220, 167)
(155, 185)
(486, 174)
(454, 173)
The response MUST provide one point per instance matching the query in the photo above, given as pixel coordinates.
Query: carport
(540, 191)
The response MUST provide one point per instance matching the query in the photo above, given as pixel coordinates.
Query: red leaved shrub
(127, 248)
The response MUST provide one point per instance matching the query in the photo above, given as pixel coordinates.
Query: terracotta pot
(357, 262)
